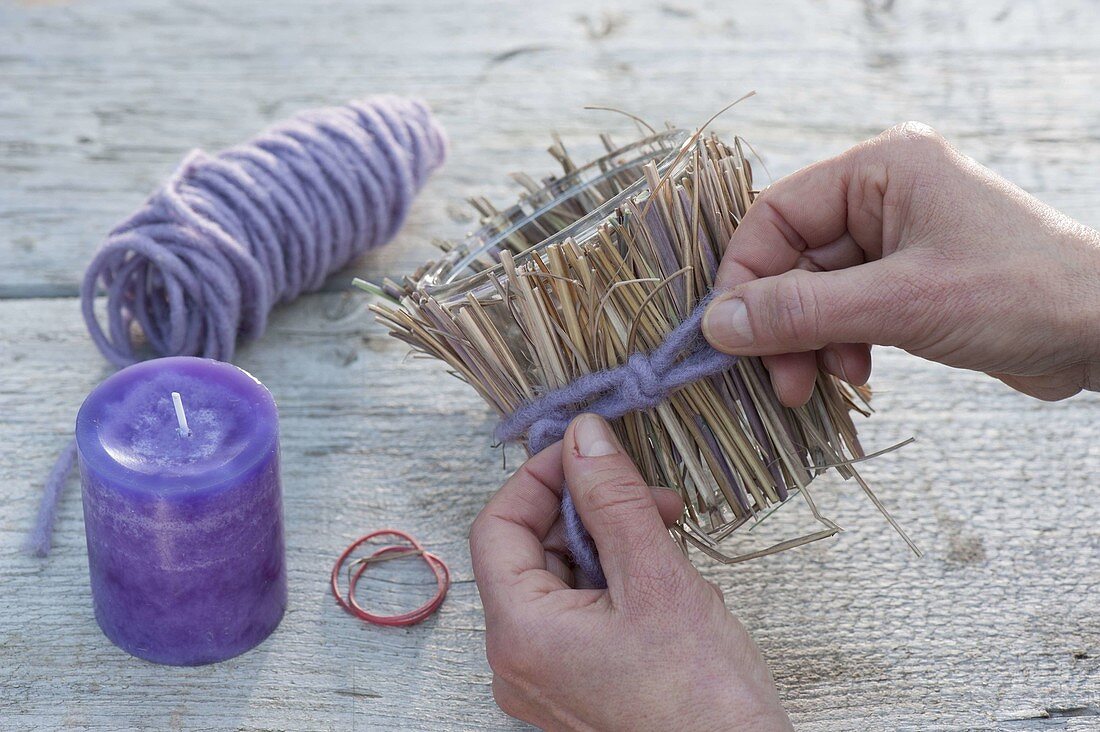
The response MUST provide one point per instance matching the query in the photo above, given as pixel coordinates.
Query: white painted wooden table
(998, 627)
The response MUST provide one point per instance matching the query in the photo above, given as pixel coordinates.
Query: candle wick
(181, 416)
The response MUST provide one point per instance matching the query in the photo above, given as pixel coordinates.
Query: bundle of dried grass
(602, 262)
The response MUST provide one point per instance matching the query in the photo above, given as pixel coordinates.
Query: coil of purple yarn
(205, 259)
(207, 256)
(643, 382)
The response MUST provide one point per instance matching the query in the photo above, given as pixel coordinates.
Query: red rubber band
(351, 605)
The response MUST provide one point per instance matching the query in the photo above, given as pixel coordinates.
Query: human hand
(656, 650)
(904, 241)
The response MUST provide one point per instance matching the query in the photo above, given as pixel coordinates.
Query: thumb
(616, 506)
(799, 310)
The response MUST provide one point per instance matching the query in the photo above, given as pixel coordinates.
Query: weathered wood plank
(998, 621)
(995, 629)
(100, 100)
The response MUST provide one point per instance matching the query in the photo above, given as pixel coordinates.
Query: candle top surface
(128, 430)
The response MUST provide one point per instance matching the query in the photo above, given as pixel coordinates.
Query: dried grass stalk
(603, 262)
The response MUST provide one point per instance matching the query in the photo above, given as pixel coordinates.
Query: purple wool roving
(228, 236)
(643, 382)
(204, 260)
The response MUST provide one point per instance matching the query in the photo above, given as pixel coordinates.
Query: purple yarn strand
(228, 236)
(642, 383)
(38, 541)
(580, 542)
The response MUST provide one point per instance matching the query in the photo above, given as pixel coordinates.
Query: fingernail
(593, 437)
(832, 363)
(726, 323)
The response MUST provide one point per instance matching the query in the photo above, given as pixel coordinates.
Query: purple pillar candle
(179, 463)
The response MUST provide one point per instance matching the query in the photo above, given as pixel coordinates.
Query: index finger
(506, 538)
(806, 209)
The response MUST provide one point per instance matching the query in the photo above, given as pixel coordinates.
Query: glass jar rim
(444, 281)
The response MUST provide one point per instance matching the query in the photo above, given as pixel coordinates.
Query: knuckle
(512, 647)
(498, 655)
(793, 311)
(477, 531)
(525, 474)
(913, 131)
(764, 202)
(929, 280)
(914, 138)
(505, 656)
(1090, 380)
(767, 210)
(655, 586)
(919, 302)
(506, 698)
(477, 527)
(501, 655)
(616, 495)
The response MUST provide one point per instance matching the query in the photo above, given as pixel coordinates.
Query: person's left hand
(656, 650)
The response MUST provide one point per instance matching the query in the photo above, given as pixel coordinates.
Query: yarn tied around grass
(208, 255)
(643, 382)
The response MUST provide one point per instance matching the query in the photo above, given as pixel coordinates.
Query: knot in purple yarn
(207, 256)
(643, 382)
(640, 386)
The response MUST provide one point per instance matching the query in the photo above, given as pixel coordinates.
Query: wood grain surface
(996, 628)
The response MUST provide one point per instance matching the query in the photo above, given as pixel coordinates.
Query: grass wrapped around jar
(602, 262)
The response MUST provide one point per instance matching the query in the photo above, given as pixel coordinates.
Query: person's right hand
(904, 241)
